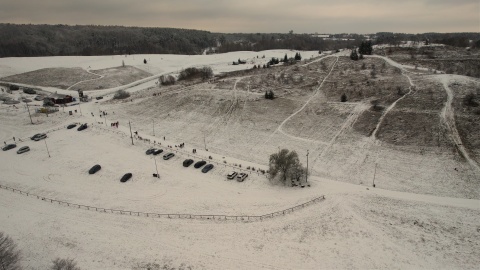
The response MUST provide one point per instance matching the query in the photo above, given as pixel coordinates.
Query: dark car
(98, 98)
(95, 169)
(199, 164)
(23, 149)
(126, 177)
(35, 136)
(156, 152)
(207, 168)
(9, 146)
(150, 151)
(187, 162)
(39, 137)
(168, 156)
(71, 126)
(82, 127)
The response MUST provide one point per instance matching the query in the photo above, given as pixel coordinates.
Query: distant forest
(58, 40)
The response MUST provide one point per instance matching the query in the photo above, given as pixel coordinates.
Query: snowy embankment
(402, 230)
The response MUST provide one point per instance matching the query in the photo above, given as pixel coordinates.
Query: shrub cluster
(121, 94)
(193, 72)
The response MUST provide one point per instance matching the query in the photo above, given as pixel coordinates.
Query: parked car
(241, 177)
(207, 168)
(98, 98)
(9, 146)
(71, 126)
(187, 162)
(94, 169)
(199, 164)
(168, 156)
(150, 151)
(35, 136)
(126, 177)
(82, 127)
(158, 151)
(232, 175)
(41, 136)
(23, 149)
(38, 98)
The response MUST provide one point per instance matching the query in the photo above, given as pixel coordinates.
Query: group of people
(114, 124)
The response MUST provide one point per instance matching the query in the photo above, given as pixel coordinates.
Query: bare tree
(64, 264)
(282, 164)
(9, 254)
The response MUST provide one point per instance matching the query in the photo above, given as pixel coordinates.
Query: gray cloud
(302, 16)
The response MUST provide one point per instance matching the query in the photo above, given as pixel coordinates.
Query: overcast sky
(252, 16)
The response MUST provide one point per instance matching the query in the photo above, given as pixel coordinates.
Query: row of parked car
(22, 149)
(198, 165)
(239, 176)
(186, 163)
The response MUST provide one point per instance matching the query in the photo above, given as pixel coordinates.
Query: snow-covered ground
(354, 227)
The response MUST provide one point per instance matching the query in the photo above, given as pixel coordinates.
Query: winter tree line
(28, 40)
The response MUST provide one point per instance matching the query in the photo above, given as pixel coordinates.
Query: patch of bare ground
(52, 77)
(448, 59)
(416, 120)
(367, 122)
(467, 115)
(367, 79)
(113, 77)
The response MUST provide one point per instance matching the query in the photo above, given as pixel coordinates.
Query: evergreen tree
(365, 48)
(298, 57)
(343, 98)
(354, 55)
(285, 59)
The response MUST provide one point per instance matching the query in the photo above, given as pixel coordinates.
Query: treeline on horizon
(27, 40)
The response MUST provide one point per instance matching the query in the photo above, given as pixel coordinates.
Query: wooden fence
(245, 218)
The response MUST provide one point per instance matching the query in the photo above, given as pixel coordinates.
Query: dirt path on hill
(304, 105)
(448, 117)
(101, 77)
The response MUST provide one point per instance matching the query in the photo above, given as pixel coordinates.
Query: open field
(408, 133)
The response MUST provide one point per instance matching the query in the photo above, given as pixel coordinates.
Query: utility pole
(204, 142)
(80, 108)
(131, 135)
(105, 116)
(374, 173)
(153, 125)
(306, 175)
(156, 168)
(29, 113)
(45, 140)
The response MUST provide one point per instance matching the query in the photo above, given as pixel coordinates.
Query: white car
(232, 175)
(23, 150)
(241, 177)
(40, 137)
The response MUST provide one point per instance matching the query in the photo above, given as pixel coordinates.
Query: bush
(9, 255)
(167, 80)
(469, 100)
(14, 87)
(64, 264)
(121, 94)
(343, 98)
(29, 91)
(192, 73)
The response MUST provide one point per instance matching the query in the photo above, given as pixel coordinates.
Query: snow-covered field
(356, 226)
